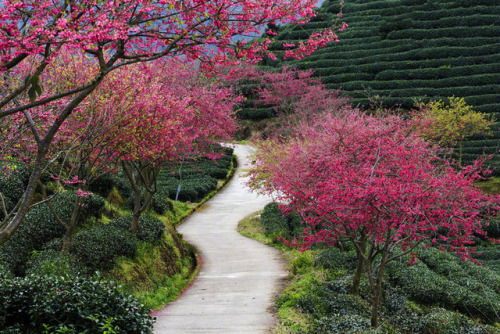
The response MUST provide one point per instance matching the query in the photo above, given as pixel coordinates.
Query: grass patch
(491, 186)
(303, 274)
(157, 274)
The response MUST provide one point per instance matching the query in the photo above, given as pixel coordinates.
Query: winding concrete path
(239, 278)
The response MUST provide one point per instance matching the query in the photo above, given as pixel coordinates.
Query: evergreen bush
(66, 304)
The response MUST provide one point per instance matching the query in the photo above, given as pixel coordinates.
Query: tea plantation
(405, 49)
(44, 290)
(439, 294)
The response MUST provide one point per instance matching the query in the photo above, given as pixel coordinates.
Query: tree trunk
(360, 252)
(12, 226)
(70, 229)
(378, 292)
(137, 212)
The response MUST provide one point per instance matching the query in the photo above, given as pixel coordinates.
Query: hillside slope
(402, 49)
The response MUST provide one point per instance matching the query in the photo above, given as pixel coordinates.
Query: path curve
(239, 278)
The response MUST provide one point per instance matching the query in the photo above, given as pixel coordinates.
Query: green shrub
(42, 304)
(160, 203)
(444, 321)
(343, 324)
(104, 184)
(96, 249)
(459, 291)
(150, 228)
(276, 223)
(38, 228)
(332, 258)
(5, 271)
(92, 207)
(51, 262)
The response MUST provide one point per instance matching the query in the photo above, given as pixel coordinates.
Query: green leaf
(32, 94)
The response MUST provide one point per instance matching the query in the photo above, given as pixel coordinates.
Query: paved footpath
(239, 277)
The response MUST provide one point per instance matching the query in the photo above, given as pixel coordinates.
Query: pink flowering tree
(114, 34)
(184, 115)
(139, 117)
(371, 181)
(294, 92)
(294, 95)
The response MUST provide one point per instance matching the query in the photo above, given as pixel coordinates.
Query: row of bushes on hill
(384, 45)
(377, 55)
(457, 82)
(324, 62)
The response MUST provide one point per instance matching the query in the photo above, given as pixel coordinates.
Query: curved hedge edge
(229, 177)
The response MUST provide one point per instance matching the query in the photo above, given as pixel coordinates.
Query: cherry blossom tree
(114, 34)
(139, 117)
(371, 181)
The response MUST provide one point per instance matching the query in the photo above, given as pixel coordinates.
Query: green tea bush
(445, 321)
(5, 271)
(92, 207)
(104, 184)
(38, 228)
(96, 249)
(195, 188)
(462, 292)
(276, 223)
(150, 228)
(333, 258)
(160, 203)
(65, 304)
(349, 323)
(51, 262)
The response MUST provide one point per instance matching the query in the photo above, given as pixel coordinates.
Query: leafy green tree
(449, 124)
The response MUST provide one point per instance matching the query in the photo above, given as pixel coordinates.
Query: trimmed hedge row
(426, 286)
(439, 280)
(197, 179)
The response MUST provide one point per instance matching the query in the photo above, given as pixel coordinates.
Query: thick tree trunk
(137, 212)
(12, 226)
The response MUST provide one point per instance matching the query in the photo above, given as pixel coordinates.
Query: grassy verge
(491, 186)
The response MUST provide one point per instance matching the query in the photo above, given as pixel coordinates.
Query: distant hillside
(401, 49)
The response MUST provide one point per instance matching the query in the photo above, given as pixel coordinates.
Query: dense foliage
(66, 304)
(373, 183)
